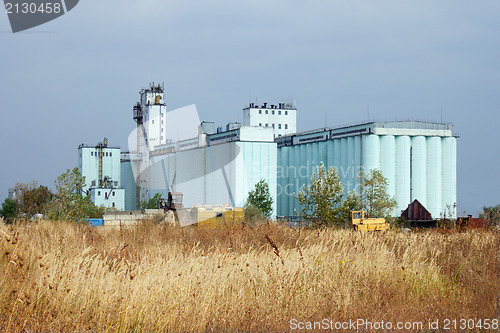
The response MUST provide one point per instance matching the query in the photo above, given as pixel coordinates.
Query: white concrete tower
(149, 114)
(282, 117)
(153, 110)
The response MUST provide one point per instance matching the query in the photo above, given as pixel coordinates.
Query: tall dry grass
(65, 277)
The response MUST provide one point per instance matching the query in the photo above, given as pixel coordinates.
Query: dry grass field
(64, 277)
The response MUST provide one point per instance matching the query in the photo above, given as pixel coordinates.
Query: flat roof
(403, 127)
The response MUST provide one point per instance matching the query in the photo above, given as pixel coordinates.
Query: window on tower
(260, 111)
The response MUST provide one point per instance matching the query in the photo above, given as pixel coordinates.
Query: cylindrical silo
(350, 170)
(370, 152)
(330, 154)
(434, 180)
(336, 154)
(302, 177)
(288, 178)
(403, 146)
(419, 169)
(295, 186)
(449, 165)
(388, 161)
(280, 175)
(315, 153)
(343, 160)
(323, 153)
(357, 156)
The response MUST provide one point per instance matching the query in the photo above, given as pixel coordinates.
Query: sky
(75, 79)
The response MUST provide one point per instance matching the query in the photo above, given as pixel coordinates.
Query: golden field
(66, 277)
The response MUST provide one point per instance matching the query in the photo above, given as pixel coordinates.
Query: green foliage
(152, 203)
(260, 198)
(9, 210)
(68, 203)
(373, 195)
(323, 200)
(252, 213)
(491, 214)
(32, 199)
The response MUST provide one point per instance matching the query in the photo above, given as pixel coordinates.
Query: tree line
(66, 203)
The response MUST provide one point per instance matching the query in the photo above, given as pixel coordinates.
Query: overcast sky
(74, 80)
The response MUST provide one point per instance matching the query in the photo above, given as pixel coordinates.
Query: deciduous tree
(373, 194)
(324, 201)
(260, 198)
(9, 210)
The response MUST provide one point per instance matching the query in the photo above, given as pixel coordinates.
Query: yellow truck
(361, 222)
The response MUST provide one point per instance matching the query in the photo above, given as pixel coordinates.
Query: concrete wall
(128, 218)
(216, 175)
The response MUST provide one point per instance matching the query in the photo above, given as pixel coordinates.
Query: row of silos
(417, 167)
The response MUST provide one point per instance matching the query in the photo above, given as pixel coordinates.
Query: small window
(267, 112)
(116, 183)
(260, 111)
(273, 111)
(286, 126)
(91, 153)
(286, 113)
(267, 125)
(110, 154)
(279, 126)
(98, 193)
(279, 113)
(113, 193)
(114, 204)
(273, 125)
(92, 183)
(107, 154)
(152, 121)
(260, 124)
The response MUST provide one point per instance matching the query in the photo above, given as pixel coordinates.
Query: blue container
(95, 222)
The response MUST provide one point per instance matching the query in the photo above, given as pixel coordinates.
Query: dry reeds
(66, 277)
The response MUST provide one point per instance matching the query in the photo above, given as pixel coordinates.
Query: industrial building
(282, 117)
(100, 165)
(219, 166)
(418, 159)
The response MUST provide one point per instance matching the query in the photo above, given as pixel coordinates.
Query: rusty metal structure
(418, 216)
